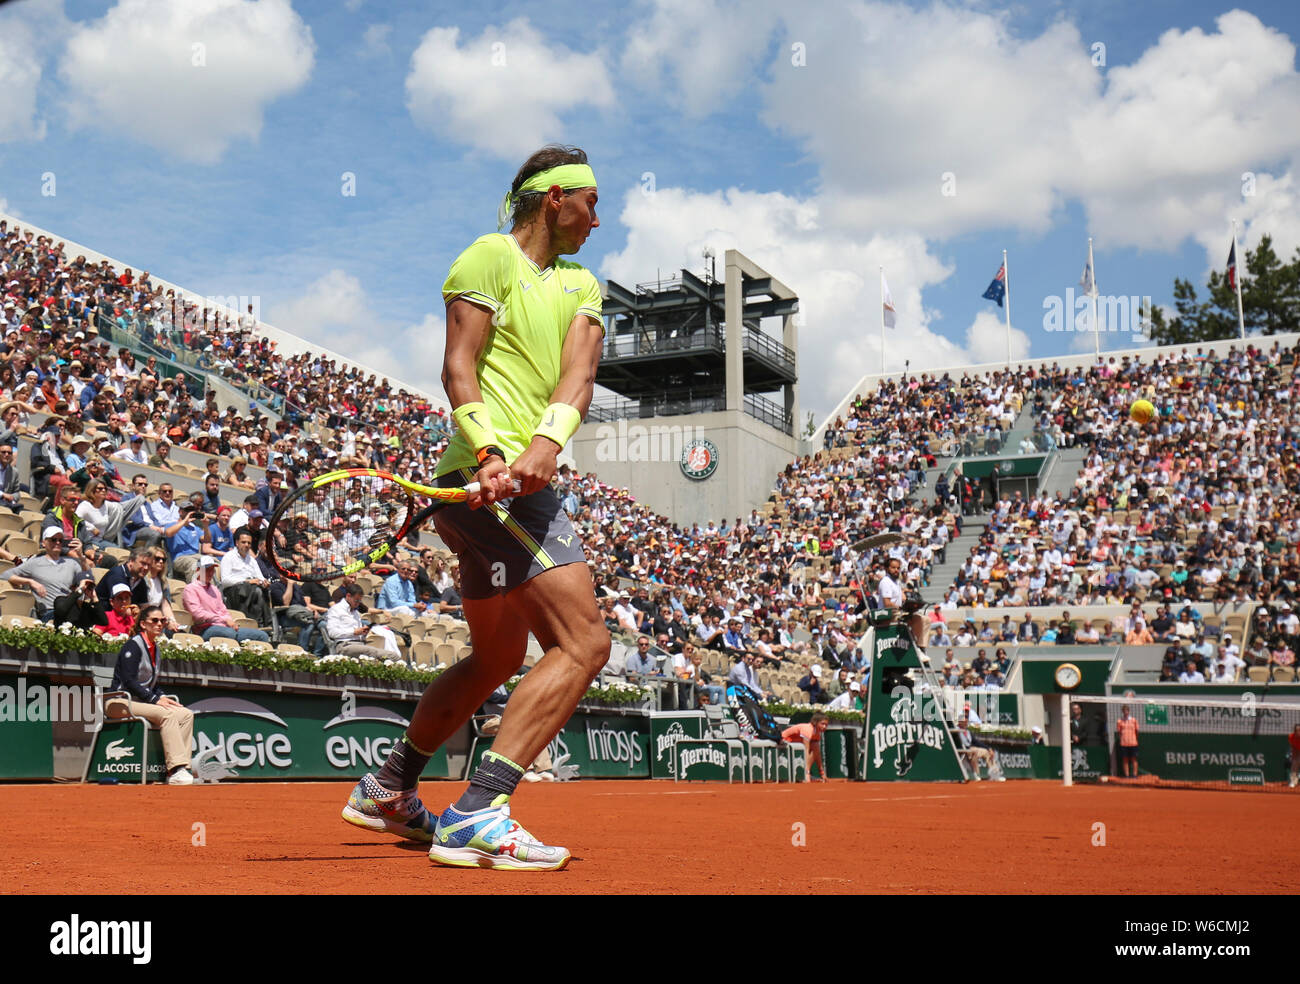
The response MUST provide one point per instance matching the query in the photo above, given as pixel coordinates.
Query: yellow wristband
(475, 422)
(559, 423)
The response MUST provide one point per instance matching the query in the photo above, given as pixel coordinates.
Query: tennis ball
(1142, 411)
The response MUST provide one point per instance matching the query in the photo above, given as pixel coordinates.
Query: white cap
(207, 561)
(854, 687)
(121, 588)
(50, 531)
(817, 671)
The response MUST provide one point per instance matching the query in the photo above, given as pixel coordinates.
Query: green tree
(1270, 295)
(1195, 321)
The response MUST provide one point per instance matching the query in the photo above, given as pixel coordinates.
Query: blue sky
(816, 141)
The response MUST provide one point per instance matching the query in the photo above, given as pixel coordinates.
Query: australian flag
(998, 288)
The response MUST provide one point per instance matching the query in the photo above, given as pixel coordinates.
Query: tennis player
(810, 734)
(524, 335)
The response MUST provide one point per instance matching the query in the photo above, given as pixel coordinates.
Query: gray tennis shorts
(505, 544)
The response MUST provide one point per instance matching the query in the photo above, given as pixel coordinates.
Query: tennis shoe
(373, 807)
(488, 838)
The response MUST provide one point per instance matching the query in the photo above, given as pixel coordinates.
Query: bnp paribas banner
(906, 735)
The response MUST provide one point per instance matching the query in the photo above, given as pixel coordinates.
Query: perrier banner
(906, 736)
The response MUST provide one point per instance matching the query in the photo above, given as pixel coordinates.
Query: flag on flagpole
(1232, 265)
(890, 314)
(1088, 281)
(998, 288)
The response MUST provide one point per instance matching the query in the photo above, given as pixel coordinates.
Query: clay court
(659, 838)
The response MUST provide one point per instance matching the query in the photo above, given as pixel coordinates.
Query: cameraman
(347, 629)
(185, 539)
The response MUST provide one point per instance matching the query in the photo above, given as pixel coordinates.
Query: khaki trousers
(175, 725)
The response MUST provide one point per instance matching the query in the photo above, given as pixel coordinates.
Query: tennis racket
(345, 521)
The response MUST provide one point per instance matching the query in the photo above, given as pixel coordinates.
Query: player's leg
(815, 754)
(388, 800)
(559, 607)
(498, 638)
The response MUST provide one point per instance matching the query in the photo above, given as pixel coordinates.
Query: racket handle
(473, 487)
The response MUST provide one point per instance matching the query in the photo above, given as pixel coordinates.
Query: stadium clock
(1068, 676)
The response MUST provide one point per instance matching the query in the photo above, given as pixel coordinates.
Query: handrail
(109, 328)
(622, 408)
(637, 342)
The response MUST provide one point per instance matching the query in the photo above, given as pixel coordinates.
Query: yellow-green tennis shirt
(531, 310)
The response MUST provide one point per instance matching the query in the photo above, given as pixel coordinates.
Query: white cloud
(374, 40)
(504, 91)
(20, 73)
(1273, 208)
(836, 274)
(335, 313)
(986, 340)
(187, 78)
(890, 98)
(698, 53)
(1166, 146)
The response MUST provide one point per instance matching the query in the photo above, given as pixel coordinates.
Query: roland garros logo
(699, 459)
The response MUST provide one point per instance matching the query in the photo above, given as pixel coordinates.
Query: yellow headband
(567, 176)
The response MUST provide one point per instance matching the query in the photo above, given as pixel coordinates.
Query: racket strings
(334, 526)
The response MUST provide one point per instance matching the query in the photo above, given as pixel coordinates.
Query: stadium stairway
(943, 575)
(1063, 470)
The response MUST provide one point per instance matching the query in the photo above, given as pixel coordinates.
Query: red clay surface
(658, 838)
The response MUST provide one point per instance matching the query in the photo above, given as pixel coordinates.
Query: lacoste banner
(120, 750)
(906, 735)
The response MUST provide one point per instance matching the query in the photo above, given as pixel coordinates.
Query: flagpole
(1236, 252)
(882, 319)
(1096, 335)
(1006, 276)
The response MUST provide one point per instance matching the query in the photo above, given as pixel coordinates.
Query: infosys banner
(596, 746)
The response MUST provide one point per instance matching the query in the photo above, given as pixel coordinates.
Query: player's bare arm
(579, 358)
(468, 329)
